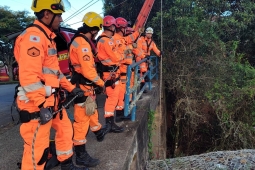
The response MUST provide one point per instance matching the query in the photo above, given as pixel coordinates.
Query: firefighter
(147, 44)
(110, 59)
(40, 85)
(122, 42)
(86, 77)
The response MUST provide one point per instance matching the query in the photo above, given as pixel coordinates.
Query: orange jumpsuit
(38, 62)
(122, 45)
(111, 57)
(145, 45)
(82, 59)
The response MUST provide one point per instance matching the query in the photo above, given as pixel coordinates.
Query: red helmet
(108, 21)
(121, 22)
(129, 30)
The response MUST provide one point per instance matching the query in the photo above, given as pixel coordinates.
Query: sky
(76, 5)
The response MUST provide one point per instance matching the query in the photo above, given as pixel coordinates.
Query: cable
(160, 81)
(77, 12)
(101, 12)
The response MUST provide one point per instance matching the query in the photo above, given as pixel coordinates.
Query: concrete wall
(137, 155)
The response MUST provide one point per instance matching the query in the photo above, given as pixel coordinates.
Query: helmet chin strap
(113, 32)
(52, 20)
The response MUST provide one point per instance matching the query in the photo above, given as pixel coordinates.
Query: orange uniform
(111, 58)
(122, 46)
(82, 59)
(36, 55)
(146, 45)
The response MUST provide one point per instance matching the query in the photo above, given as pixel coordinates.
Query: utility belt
(123, 74)
(80, 79)
(25, 116)
(112, 81)
(112, 68)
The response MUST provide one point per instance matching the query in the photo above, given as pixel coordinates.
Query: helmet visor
(63, 5)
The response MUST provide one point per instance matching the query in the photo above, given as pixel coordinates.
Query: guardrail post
(127, 94)
(133, 113)
(149, 73)
(157, 62)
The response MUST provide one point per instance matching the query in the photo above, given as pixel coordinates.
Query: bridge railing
(130, 105)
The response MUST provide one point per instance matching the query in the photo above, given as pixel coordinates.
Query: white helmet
(149, 30)
(1, 63)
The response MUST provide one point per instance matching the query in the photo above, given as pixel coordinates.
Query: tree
(11, 22)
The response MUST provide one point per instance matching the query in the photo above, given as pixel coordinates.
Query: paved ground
(111, 152)
(6, 99)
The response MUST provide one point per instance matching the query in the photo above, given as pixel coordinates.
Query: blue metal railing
(130, 107)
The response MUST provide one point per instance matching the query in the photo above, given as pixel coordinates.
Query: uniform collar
(103, 34)
(147, 39)
(118, 36)
(46, 29)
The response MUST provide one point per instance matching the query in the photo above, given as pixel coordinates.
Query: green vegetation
(151, 117)
(208, 61)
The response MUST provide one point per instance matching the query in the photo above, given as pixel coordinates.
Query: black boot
(68, 165)
(83, 158)
(112, 126)
(120, 116)
(101, 133)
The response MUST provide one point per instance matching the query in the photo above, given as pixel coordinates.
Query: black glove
(99, 89)
(161, 53)
(45, 115)
(148, 57)
(108, 83)
(77, 91)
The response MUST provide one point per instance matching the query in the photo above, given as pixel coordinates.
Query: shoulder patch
(33, 52)
(110, 43)
(85, 50)
(34, 38)
(86, 58)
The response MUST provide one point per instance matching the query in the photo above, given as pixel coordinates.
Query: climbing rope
(160, 78)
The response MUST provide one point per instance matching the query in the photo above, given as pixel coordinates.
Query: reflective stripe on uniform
(33, 87)
(95, 128)
(75, 44)
(139, 54)
(101, 40)
(106, 61)
(68, 152)
(52, 51)
(132, 37)
(123, 80)
(23, 32)
(81, 104)
(76, 65)
(119, 107)
(95, 79)
(129, 57)
(109, 114)
(61, 75)
(80, 141)
(47, 70)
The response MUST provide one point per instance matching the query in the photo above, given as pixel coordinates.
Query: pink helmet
(108, 21)
(121, 22)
